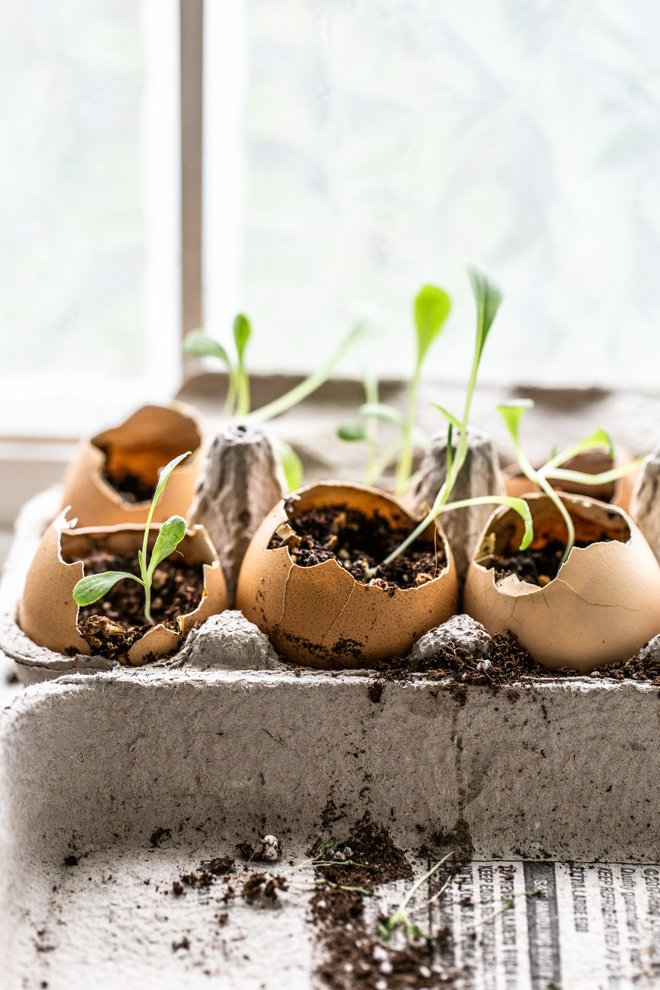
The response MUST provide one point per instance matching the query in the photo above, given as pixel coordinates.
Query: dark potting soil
(507, 664)
(538, 565)
(116, 621)
(355, 956)
(131, 487)
(639, 668)
(359, 542)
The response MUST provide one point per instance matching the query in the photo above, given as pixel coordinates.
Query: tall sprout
(238, 401)
(512, 414)
(487, 298)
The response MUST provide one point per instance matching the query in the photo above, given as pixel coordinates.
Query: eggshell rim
(531, 589)
(332, 562)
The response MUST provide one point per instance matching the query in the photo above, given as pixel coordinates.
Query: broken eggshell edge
(48, 615)
(603, 605)
(321, 616)
(147, 440)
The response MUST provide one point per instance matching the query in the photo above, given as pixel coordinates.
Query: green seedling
(400, 918)
(487, 298)
(431, 307)
(93, 587)
(512, 414)
(238, 401)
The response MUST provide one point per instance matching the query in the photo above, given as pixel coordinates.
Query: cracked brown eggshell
(48, 614)
(604, 603)
(320, 615)
(144, 443)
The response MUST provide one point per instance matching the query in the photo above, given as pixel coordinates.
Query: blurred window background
(89, 298)
(353, 149)
(358, 148)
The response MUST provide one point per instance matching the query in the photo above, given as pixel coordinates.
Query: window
(356, 149)
(89, 293)
(352, 150)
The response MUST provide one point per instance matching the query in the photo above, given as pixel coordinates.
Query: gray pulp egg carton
(114, 781)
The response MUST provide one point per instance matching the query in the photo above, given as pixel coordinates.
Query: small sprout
(400, 918)
(237, 402)
(431, 307)
(512, 414)
(352, 432)
(94, 586)
(487, 298)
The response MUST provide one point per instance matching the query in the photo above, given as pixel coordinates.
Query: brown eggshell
(48, 614)
(320, 615)
(593, 461)
(141, 445)
(602, 606)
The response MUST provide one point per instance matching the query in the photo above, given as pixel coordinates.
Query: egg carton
(563, 767)
(113, 781)
(114, 784)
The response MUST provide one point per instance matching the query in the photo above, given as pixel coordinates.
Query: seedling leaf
(453, 420)
(242, 334)
(488, 298)
(600, 438)
(352, 432)
(292, 467)
(94, 586)
(431, 309)
(518, 505)
(169, 536)
(512, 413)
(199, 343)
(164, 475)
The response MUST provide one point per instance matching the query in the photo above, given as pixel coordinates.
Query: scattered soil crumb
(207, 873)
(346, 874)
(263, 886)
(458, 841)
(158, 835)
(375, 690)
(638, 668)
(508, 664)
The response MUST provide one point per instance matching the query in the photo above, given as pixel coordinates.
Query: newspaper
(546, 926)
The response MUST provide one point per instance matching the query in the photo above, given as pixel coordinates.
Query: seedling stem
(94, 586)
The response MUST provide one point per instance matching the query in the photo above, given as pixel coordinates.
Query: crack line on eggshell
(626, 608)
(340, 612)
(286, 585)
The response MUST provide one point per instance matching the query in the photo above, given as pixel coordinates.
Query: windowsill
(28, 465)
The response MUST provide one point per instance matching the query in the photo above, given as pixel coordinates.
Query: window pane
(76, 167)
(386, 144)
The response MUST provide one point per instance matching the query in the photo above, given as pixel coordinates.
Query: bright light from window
(89, 300)
(386, 144)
